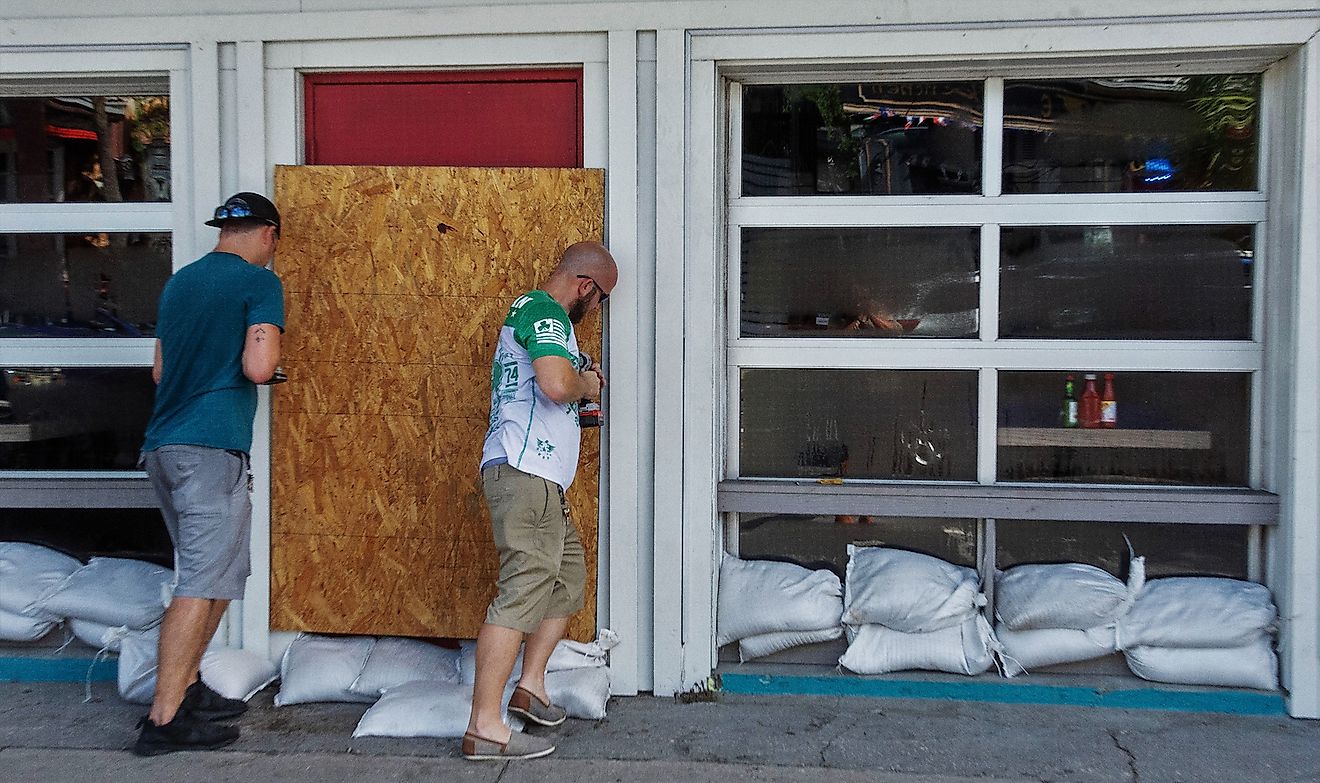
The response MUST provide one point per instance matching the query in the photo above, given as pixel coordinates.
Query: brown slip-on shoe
(519, 746)
(528, 706)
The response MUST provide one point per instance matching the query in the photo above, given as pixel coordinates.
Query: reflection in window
(1169, 549)
(822, 541)
(860, 282)
(82, 285)
(137, 533)
(875, 137)
(104, 148)
(872, 424)
(1189, 428)
(1149, 134)
(1127, 282)
(73, 419)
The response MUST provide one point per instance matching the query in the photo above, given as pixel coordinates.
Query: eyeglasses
(603, 296)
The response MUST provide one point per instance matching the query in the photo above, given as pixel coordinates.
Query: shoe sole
(506, 757)
(160, 750)
(525, 715)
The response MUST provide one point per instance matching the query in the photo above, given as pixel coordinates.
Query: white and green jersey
(532, 432)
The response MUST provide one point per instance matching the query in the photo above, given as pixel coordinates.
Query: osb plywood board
(397, 280)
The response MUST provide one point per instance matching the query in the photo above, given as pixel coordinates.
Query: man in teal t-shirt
(218, 335)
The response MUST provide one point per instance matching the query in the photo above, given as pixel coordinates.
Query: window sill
(1185, 505)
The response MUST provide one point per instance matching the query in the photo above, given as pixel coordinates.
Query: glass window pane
(822, 541)
(1171, 428)
(1169, 549)
(78, 419)
(84, 533)
(873, 424)
(1122, 135)
(82, 285)
(1127, 282)
(871, 138)
(860, 282)
(105, 148)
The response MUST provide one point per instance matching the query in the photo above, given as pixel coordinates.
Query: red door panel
(475, 118)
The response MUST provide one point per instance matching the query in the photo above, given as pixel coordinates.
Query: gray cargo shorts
(204, 498)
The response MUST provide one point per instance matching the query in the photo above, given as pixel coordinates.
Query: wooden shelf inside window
(45, 429)
(1104, 438)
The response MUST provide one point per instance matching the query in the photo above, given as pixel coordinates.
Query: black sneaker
(185, 732)
(206, 704)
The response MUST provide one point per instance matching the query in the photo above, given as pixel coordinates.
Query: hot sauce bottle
(1108, 404)
(1089, 413)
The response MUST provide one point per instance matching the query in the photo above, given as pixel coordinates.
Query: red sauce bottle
(1089, 414)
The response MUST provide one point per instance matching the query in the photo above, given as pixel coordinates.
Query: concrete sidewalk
(48, 734)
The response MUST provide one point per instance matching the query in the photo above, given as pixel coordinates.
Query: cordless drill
(589, 412)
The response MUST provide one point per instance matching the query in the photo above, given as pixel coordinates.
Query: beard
(579, 309)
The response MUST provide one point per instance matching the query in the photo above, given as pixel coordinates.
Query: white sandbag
(907, 591)
(582, 692)
(29, 571)
(1198, 611)
(15, 627)
(138, 651)
(1063, 595)
(765, 644)
(394, 661)
(111, 591)
(761, 596)
(467, 663)
(1250, 666)
(424, 709)
(237, 674)
(569, 654)
(1022, 651)
(961, 649)
(97, 635)
(323, 668)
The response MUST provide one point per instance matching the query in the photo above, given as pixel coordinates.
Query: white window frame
(93, 71)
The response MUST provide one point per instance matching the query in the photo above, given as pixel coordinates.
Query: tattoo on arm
(260, 332)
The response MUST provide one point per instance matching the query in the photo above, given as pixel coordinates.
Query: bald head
(583, 279)
(590, 259)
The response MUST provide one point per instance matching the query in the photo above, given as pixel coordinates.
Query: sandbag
(569, 654)
(1198, 611)
(111, 591)
(237, 674)
(761, 596)
(1022, 651)
(15, 627)
(97, 635)
(394, 661)
(138, 655)
(907, 591)
(1252, 665)
(960, 649)
(765, 644)
(582, 692)
(1063, 595)
(424, 709)
(323, 668)
(29, 571)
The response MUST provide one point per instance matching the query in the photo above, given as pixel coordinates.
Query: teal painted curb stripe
(57, 669)
(1229, 701)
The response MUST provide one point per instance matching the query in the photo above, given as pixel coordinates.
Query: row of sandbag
(41, 588)
(904, 610)
(421, 689)
(1191, 630)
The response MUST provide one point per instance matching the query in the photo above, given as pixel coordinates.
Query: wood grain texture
(397, 281)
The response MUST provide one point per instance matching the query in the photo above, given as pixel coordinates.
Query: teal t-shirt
(205, 310)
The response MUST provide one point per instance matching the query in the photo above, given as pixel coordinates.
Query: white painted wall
(653, 89)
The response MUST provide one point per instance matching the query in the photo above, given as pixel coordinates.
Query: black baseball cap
(246, 206)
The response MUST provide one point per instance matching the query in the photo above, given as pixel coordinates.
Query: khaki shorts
(542, 568)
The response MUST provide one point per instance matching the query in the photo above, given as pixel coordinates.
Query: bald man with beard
(528, 461)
